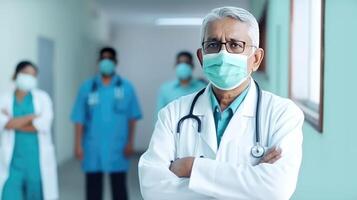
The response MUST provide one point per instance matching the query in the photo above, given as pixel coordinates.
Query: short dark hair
(186, 54)
(110, 50)
(22, 65)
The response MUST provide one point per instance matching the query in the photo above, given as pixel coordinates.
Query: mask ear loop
(254, 49)
(253, 52)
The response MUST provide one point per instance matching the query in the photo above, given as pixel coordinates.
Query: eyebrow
(237, 40)
(214, 39)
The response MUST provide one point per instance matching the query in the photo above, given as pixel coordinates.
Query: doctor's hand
(78, 152)
(182, 167)
(273, 155)
(4, 112)
(129, 150)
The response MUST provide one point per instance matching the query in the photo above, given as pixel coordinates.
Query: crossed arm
(274, 177)
(20, 123)
(183, 167)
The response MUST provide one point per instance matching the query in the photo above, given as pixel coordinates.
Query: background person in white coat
(219, 162)
(27, 160)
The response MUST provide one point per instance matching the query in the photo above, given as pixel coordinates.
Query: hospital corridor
(178, 99)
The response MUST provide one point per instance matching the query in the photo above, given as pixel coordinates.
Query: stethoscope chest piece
(257, 151)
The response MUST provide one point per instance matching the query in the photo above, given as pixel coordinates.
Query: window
(263, 36)
(306, 58)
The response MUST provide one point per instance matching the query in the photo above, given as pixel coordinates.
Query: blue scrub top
(106, 123)
(172, 90)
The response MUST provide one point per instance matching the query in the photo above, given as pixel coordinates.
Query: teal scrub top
(222, 118)
(25, 163)
(26, 143)
(106, 123)
(172, 90)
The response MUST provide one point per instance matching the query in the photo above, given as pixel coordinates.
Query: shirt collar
(177, 83)
(98, 80)
(233, 107)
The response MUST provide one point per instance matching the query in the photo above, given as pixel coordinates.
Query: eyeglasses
(233, 46)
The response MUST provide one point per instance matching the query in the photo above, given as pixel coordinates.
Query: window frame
(315, 121)
(263, 36)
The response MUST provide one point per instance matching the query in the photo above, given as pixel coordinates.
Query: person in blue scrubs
(184, 84)
(105, 115)
(24, 182)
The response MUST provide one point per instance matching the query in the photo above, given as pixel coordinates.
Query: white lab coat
(227, 172)
(44, 111)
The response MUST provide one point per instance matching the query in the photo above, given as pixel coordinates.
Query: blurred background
(310, 49)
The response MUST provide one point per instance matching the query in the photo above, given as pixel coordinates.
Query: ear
(258, 57)
(199, 55)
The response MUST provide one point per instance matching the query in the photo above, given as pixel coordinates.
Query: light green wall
(76, 33)
(329, 167)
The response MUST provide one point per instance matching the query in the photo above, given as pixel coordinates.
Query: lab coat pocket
(49, 172)
(203, 150)
(48, 152)
(48, 162)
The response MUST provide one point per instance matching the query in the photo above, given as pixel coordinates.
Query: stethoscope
(93, 97)
(257, 151)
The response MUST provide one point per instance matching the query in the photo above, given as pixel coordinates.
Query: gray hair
(234, 13)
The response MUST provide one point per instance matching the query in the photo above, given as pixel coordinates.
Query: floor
(71, 181)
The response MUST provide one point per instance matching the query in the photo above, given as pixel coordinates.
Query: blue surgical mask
(183, 71)
(25, 82)
(224, 70)
(106, 67)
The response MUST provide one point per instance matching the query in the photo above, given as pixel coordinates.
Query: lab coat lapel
(36, 102)
(203, 110)
(242, 117)
(10, 136)
(10, 103)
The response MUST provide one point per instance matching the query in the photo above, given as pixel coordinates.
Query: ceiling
(147, 11)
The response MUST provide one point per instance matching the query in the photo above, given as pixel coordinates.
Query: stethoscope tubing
(257, 151)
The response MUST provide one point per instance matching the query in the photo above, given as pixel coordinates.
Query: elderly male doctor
(225, 157)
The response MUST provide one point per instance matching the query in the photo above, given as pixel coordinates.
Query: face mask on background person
(183, 71)
(225, 70)
(106, 67)
(26, 82)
